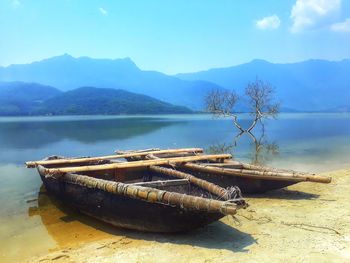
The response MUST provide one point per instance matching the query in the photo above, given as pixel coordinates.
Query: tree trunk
(236, 124)
(253, 124)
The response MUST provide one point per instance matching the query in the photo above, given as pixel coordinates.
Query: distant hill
(313, 85)
(33, 99)
(18, 98)
(90, 101)
(66, 73)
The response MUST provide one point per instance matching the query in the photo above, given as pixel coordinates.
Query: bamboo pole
(251, 171)
(137, 151)
(160, 183)
(240, 170)
(153, 195)
(257, 167)
(143, 163)
(210, 187)
(209, 168)
(268, 175)
(32, 164)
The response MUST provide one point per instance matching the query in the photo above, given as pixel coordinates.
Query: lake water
(31, 223)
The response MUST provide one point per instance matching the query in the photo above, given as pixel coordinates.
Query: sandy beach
(306, 222)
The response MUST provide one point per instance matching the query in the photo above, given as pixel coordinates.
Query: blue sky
(175, 36)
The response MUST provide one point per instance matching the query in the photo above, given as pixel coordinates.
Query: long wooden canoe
(137, 197)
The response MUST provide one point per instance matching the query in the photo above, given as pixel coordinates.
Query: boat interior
(139, 176)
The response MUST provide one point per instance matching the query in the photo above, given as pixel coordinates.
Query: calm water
(31, 223)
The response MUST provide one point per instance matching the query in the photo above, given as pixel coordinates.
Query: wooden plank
(261, 168)
(144, 163)
(266, 175)
(32, 164)
(175, 182)
(270, 174)
(136, 151)
(210, 187)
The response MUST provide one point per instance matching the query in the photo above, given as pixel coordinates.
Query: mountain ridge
(66, 72)
(312, 85)
(19, 98)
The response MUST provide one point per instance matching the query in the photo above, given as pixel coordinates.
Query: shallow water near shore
(33, 224)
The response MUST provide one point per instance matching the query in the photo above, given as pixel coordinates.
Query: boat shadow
(286, 194)
(217, 235)
(65, 224)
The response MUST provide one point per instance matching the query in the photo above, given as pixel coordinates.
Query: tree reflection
(260, 150)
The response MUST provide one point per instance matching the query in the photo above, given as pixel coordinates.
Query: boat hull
(125, 212)
(246, 185)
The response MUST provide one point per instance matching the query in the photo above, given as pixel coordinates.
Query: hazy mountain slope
(313, 85)
(67, 73)
(309, 85)
(90, 101)
(18, 98)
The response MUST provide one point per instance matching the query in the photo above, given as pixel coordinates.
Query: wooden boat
(130, 195)
(251, 179)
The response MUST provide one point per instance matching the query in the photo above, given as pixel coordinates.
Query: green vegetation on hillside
(19, 98)
(35, 99)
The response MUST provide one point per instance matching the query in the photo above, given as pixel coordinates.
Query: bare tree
(260, 97)
(222, 103)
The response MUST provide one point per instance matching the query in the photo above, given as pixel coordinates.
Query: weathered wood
(268, 175)
(32, 164)
(152, 195)
(137, 151)
(240, 170)
(145, 163)
(257, 167)
(245, 166)
(175, 182)
(210, 187)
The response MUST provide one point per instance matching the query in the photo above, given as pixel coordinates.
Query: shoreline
(301, 223)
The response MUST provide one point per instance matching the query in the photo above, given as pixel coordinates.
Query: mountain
(66, 73)
(312, 85)
(18, 98)
(92, 101)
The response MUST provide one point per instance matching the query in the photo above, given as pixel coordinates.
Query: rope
(235, 196)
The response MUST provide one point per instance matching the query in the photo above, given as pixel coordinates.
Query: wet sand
(306, 222)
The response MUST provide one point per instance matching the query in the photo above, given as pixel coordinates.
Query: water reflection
(69, 228)
(36, 134)
(261, 149)
(63, 223)
(306, 142)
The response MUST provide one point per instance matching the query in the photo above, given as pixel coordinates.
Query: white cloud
(308, 14)
(269, 22)
(342, 26)
(103, 11)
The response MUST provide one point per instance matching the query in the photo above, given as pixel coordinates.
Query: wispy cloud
(307, 14)
(103, 11)
(16, 3)
(342, 26)
(269, 22)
